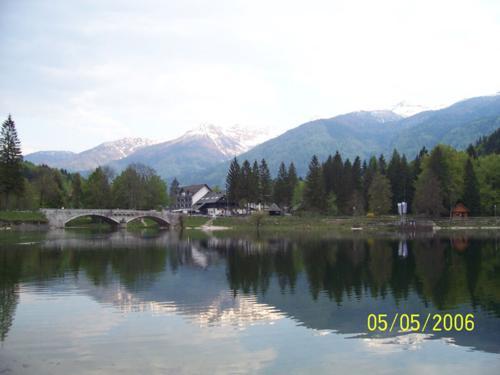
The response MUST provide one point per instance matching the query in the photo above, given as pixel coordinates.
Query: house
(188, 196)
(460, 210)
(274, 210)
(213, 204)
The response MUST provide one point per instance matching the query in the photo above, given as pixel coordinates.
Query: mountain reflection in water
(325, 284)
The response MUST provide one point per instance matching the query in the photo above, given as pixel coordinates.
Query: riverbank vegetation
(25, 186)
(431, 184)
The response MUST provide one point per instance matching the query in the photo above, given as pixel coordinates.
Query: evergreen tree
(337, 174)
(314, 190)
(233, 182)
(356, 175)
(368, 173)
(471, 189)
(346, 189)
(11, 162)
(174, 191)
(266, 186)
(438, 166)
(471, 151)
(328, 174)
(255, 188)
(380, 195)
(397, 176)
(281, 186)
(245, 183)
(291, 182)
(382, 165)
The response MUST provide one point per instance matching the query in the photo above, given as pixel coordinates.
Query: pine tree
(255, 188)
(233, 182)
(11, 161)
(266, 186)
(346, 189)
(380, 195)
(397, 179)
(174, 191)
(382, 165)
(246, 183)
(471, 190)
(291, 182)
(357, 174)
(368, 173)
(281, 186)
(314, 191)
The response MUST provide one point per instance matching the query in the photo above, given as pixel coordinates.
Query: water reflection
(324, 284)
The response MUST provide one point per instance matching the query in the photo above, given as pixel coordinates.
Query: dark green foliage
(233, 182)
(490, 144)
(369, 171)
(174, 190)
(246, 183)
(266, 186)
(11, 163)
(314, 191)
(98, 190)
(399, 175)
(380, 194)
(49, 184)
(429, 195)
(255, 188)
(281, 186)
(471, 190)
(439, 169)
(76, 197)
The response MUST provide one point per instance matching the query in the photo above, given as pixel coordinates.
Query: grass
(194, 221)
(17, 217)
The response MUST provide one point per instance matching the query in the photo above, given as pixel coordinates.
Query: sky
(77, 73)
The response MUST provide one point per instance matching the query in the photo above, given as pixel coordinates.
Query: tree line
(24, 185)
(431, 184)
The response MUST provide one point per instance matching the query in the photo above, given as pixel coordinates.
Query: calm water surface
(79, 302)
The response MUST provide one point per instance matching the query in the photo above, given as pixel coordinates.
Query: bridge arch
(102, 217)
(160, 221)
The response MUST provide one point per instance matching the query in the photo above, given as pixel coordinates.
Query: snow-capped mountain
(229, 141)
(195, 150)
(405, 109)
(90, 159)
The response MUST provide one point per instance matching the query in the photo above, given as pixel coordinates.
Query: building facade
(188, 196)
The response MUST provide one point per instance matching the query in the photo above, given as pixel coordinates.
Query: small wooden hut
(274, 210)
(460, 210)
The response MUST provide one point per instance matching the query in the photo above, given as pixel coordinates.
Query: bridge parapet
(58, 218)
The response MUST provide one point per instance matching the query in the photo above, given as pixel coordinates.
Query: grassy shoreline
(284, 223)
(316, 222)
(22, 217)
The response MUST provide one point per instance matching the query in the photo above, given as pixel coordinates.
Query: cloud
(156, 69)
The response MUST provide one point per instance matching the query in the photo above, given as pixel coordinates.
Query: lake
(76, 302)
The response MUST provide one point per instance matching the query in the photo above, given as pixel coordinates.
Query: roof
(274, 207)
(193, 189)
(460, 207)
(211, 197)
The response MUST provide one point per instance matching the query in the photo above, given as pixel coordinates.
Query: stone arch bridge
(58, 218)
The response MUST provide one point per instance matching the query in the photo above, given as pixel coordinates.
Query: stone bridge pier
(58, 218)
